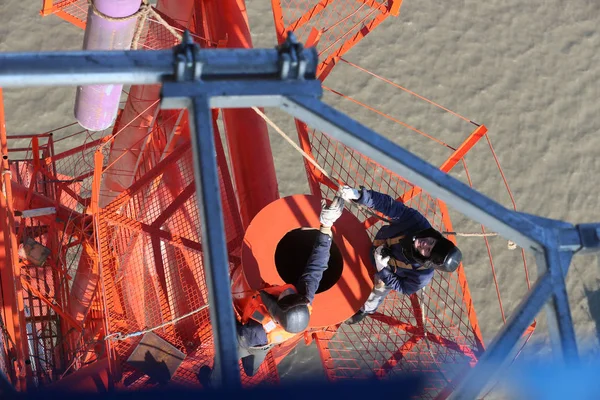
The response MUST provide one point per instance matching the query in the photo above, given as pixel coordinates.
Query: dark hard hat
(451, 261)
(291, 311)
(445, 255)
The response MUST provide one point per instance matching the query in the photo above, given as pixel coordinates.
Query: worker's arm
(315, 267)
(385, 204)
(411, 283)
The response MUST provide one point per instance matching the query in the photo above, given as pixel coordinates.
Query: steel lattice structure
(157, 249)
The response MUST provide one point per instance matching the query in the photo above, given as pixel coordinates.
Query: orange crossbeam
(31, 288)
(446, 166)
(128, 223)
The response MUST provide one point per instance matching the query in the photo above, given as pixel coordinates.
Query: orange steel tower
(102, 252)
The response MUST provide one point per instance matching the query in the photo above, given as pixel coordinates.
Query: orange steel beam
(325, 67)
(231, 215)
(152, 174)
(50, 303)
(418, 312)
(175, 205)
(250, 151)
(107, 283)
(463, 149)
(419, 331)
(398, 355)
(316, 9)
(279, 20)
(454, 158)
(395, 7)
(313, 37)
(446, 166)
(175, 240)
(12, 292)
(37, 200)
(96, 181)
(65, 187)
(70, 18)
(47, 8)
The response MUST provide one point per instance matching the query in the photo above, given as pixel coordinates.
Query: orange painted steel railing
(53, 336)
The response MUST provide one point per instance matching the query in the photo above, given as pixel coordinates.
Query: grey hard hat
(291, 311)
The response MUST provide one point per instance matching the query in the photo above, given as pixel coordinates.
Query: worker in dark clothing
(406, 252)
(278, 313)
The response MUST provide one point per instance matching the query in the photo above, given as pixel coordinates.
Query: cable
(118, 336)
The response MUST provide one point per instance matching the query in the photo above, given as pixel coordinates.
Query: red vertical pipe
(10, 276)
(247, 134)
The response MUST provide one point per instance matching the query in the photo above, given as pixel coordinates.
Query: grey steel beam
(560, 322)
(141, 67)
(439, 184)
(504, 342)
(214, 245)
(237, 94)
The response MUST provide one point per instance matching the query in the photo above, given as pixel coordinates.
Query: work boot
(356, 318)
(204, 376)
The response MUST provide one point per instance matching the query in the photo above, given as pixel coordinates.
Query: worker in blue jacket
(406, 252)
(277, 313)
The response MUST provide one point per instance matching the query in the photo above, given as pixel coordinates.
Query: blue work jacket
(404, 221)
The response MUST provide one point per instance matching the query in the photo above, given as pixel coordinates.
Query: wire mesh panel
(336, 25)
(435, 333)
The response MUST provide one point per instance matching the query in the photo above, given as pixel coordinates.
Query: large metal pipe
(137, 117)
(96, 106)
(247, 134)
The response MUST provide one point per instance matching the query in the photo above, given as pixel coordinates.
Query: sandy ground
(529, 71)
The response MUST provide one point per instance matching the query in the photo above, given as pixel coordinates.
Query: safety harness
(257, 311)
(389, 242)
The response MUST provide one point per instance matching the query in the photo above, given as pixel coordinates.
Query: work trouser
(380, 290)
(252, 356)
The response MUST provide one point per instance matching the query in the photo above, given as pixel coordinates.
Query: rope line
(143, 12)
(118, 336)
(310, 159)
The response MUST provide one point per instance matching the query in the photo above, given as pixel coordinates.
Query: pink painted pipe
(96, 106)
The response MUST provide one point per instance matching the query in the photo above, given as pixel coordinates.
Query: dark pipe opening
(293, 251)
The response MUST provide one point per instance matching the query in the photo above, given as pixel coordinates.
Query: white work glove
(347, 193)
(330, 214)
(381, 261)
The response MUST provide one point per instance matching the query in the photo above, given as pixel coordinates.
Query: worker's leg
(256, 355)
(376, 297)
(253, 346)
(252, 341)
(373, 302)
